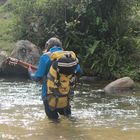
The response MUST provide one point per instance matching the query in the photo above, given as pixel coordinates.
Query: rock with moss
(3, 56)
(24, 50)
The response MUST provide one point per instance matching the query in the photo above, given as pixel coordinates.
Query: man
(52, 46)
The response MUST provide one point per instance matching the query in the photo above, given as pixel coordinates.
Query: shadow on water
(94, 115)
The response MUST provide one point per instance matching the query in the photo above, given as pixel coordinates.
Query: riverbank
(100, 55)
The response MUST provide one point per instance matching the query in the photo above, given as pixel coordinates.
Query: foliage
(6, 25)
(102, 32)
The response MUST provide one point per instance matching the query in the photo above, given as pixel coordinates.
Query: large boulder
(25, 51)
(124, 84)
(2, 1)
(3, 56)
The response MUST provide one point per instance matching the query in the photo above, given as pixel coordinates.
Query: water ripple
(20, 102)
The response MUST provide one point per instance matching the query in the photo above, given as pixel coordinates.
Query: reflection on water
(94, 115)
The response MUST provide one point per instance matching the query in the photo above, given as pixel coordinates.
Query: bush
(98, 31)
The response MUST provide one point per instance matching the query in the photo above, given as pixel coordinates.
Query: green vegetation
(104, 33)
(6, 25)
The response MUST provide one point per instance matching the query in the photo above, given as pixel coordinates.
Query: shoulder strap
(48, 53)
(59, 54)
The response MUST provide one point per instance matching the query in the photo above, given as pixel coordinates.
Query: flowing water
(95, 116)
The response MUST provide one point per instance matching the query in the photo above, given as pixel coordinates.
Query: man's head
(53, 42)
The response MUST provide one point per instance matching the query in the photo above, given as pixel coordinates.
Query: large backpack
(61, 78)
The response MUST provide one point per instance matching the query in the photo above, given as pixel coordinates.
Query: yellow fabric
(60, 103)
(64, 80)
(58, 55)
(63, 89)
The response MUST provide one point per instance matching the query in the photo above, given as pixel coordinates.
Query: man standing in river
(57, 70)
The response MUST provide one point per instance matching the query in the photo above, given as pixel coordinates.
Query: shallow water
(95, 116)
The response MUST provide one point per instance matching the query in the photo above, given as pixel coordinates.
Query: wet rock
(3, 1)
(124, 84)
(25, 51)
(3, 56)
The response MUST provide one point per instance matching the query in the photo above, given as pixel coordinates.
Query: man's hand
(30, 70)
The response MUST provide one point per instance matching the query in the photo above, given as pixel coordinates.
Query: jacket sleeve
(43, 68)
(78, 70)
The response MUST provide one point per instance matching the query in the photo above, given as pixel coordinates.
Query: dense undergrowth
(103, 33)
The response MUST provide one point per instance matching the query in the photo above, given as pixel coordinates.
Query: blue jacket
(43, 69)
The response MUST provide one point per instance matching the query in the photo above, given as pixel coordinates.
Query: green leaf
(92, 66)
(93, 47)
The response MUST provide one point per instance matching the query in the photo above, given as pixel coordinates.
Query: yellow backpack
(61, 78)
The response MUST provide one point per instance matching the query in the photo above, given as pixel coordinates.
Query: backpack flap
(65, 62)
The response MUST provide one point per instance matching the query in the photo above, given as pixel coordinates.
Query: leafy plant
(102, 33)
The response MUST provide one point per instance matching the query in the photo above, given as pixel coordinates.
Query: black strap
(58, 78)
(57, 94)
(50, 77)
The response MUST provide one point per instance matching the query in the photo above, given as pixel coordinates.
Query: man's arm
(78, 70)
(43, 68)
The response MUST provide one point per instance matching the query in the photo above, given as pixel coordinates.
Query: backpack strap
(58, 78)
(56, 81)
(48, 53)
(50, 77)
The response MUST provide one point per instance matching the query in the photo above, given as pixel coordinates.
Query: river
(95, 116)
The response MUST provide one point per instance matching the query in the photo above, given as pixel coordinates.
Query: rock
(88, 79)
(2, 1)
(25, 51)
(3, 56)
(124, 84)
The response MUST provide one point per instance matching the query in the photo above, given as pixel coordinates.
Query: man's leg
(52, 114)
(65, 111)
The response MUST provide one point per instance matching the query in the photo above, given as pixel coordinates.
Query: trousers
(54, 114)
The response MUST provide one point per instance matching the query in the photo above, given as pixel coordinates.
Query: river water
(95, 116)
